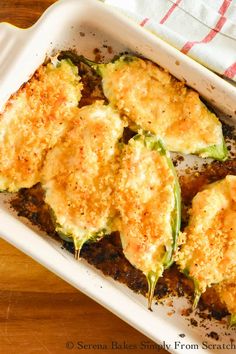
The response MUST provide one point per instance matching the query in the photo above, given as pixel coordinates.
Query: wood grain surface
(40, 313)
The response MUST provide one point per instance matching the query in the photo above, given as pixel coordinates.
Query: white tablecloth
(204, 30)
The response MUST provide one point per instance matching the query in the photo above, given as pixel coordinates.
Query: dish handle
(12, 40)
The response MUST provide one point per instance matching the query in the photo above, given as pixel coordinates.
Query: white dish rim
(53, 259)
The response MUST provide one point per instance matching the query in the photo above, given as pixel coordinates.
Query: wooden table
(40, 313)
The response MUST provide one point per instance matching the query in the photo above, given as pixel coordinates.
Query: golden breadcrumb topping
(209, 252)
(33, 121)
(145, 200)
(78, 175)
(157, 102)
(227, 293)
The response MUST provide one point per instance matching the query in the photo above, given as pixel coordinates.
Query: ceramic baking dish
(85, 25)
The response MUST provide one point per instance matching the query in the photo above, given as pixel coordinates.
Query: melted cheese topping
(145, 200)
(33, 121)
(227, 293)
(79, 185)
(157, 102)
(209, 252)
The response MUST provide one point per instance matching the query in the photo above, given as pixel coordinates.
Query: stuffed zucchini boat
(208, 255)
(155, 101)
(78, 175)
(33, 121)
(147, 197)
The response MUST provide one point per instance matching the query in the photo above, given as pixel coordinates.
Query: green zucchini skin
(79, 187)
(197, 291)
(150, 142)
(78, 243)
(153, 144)
(34, 119)
(207, 255)
(217, 152)
(232, 321)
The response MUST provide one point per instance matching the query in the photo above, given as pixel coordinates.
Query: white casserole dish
(21, 51)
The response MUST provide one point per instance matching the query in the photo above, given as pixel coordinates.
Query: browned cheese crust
(78, 175)
(209, 252)
(155, 101)
(33, 121)
(145, 199)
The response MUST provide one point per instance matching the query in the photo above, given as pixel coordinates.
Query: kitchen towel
(204, 30)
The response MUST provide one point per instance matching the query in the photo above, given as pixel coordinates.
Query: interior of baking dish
(90, 29)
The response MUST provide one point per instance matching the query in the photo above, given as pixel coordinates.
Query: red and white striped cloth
(204, 30)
